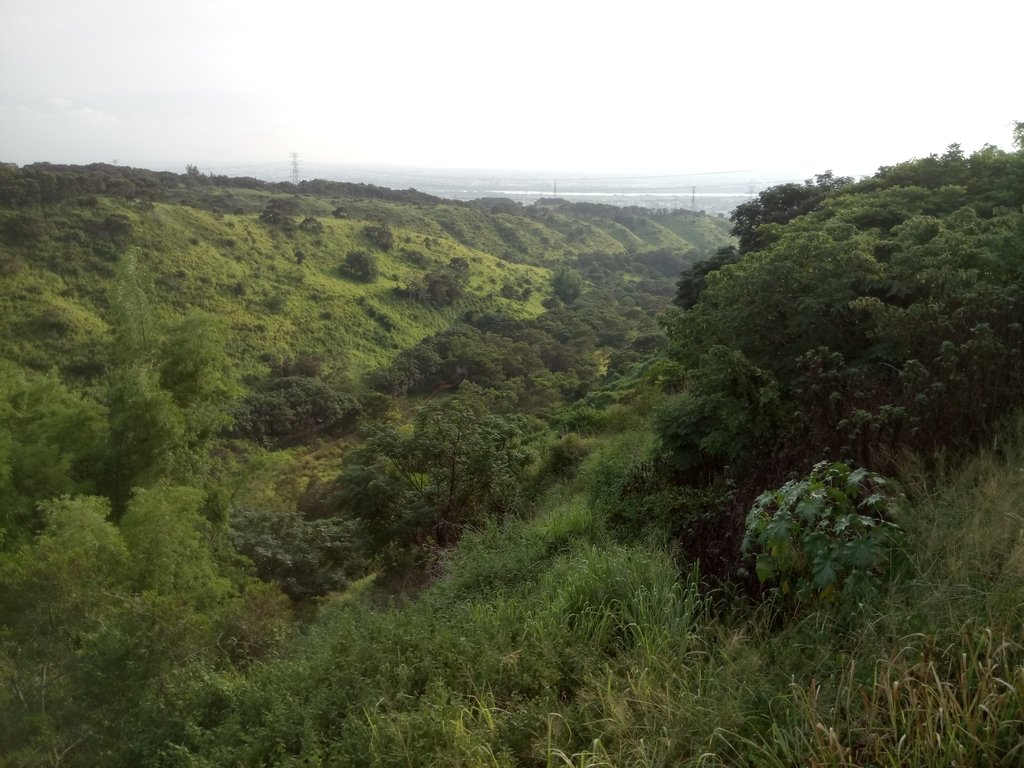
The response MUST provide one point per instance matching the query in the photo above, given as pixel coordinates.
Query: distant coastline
(716, 193)
(711, 193)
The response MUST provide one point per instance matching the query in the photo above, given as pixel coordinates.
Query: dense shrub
(279, 212)
(306, 558)
(728, 409)
(292, 409)
(441, 287)
(567, 284)
(379, 236)
(427, 485)
(862, 321)
(360, 265)
(23, 229)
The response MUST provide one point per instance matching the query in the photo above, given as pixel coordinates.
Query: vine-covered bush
(828, 536)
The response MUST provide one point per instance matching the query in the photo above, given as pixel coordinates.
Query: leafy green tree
(667, 262)
(441, 287)
(59, 589)
(306, 558)
(412, 370)
(728, 408)
(693, 281)
(360, 265)
(780, 204)
(115, 228)
(771, 305)
(294, 408)
(567, 284)
(379, 235)
(279, 212)
(146, 436)
(195, 370)
(166, 538)
(51, 444)
(430, 483)
(24, 229)
(168, 393)
(863, 328)
(100, 622)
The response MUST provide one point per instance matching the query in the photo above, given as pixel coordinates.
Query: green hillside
(345, 476)
(278, 286)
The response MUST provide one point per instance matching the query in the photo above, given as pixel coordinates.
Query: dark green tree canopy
(878, 312)
(567, 284)
(360, 265)
(780, 204)
(454, 466)
(380, 236)
(292, 408)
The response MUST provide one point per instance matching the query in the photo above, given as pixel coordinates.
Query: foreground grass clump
(548, 642)
(924, 705)
(968, 533)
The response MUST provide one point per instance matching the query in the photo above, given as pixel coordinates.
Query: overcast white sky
(673, 87)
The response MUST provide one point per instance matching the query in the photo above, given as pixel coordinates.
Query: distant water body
(711, 193)
(709, 202)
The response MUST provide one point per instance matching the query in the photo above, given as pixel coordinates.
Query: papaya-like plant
(828, 536)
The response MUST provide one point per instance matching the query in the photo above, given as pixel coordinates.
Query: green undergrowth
(546, 641)
(516, 653)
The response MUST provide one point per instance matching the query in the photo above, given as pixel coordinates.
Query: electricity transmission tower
(295, 167)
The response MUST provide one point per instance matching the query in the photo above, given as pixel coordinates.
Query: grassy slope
(56, 293)
(706, 233)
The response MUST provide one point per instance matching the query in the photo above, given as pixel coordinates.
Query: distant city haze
(558, 88)
(713, 193)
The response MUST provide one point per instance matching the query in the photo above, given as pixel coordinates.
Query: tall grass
(969, 536)
(958, 705)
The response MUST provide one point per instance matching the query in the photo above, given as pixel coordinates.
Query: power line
(418, 172)
(658, 176)
(246, 167)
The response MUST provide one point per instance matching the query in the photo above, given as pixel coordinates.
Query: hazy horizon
(545, 88)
